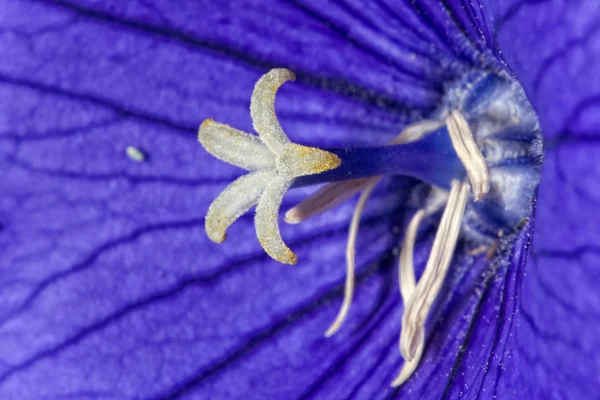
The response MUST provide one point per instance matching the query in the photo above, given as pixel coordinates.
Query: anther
(326, 198)
(407, 284)
(426, 291)
(406, 268)
(410, 366)
(418, 298)
(468, 152)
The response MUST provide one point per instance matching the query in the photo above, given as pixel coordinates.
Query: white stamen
(326, 198)
(469, 154)
(416, 131)
(350, 259)
(237, 198)
(411, 365)
(406, 268)
(436, 200)
(407, 282)
(262, 108)
(266, 224)
(419, 305)
(234, 146)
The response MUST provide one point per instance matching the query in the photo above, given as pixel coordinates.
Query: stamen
(407, 283)
(419, 298)
(234, 146)
(411, 365)
(417, 309)
(406, 268)
(469, 154)
(326, 198)
(350, 259)
(233, 202)
(416, 131)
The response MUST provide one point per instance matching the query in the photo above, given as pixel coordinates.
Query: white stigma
(275, 160)
(406, 268)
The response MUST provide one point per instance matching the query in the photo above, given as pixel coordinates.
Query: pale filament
(468, 153)
(350, 259)
(344, 190)
(419, 299)
(418, 306)
(407, 283)
(406, 268)
(326, 198)
(410, 365)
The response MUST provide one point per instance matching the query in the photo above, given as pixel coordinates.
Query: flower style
(506, 129)
(111, 288)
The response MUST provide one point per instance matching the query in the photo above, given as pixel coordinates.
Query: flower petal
(112, 287)
(553, 340)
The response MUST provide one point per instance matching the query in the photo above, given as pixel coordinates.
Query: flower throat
(480, 154)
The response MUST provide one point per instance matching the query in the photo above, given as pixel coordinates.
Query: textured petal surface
(556, 335)
(110, 288)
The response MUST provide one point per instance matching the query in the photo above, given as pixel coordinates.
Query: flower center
(480, 152)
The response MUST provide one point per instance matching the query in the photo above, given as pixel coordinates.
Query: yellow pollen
(135, 154)
(298, 160)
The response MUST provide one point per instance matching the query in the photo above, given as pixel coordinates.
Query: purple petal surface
(110, 288)
(554, 346)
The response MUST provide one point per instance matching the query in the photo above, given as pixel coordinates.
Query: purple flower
(110, 288)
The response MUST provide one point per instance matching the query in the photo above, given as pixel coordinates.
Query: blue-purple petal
(110, 288)
(554, 49)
